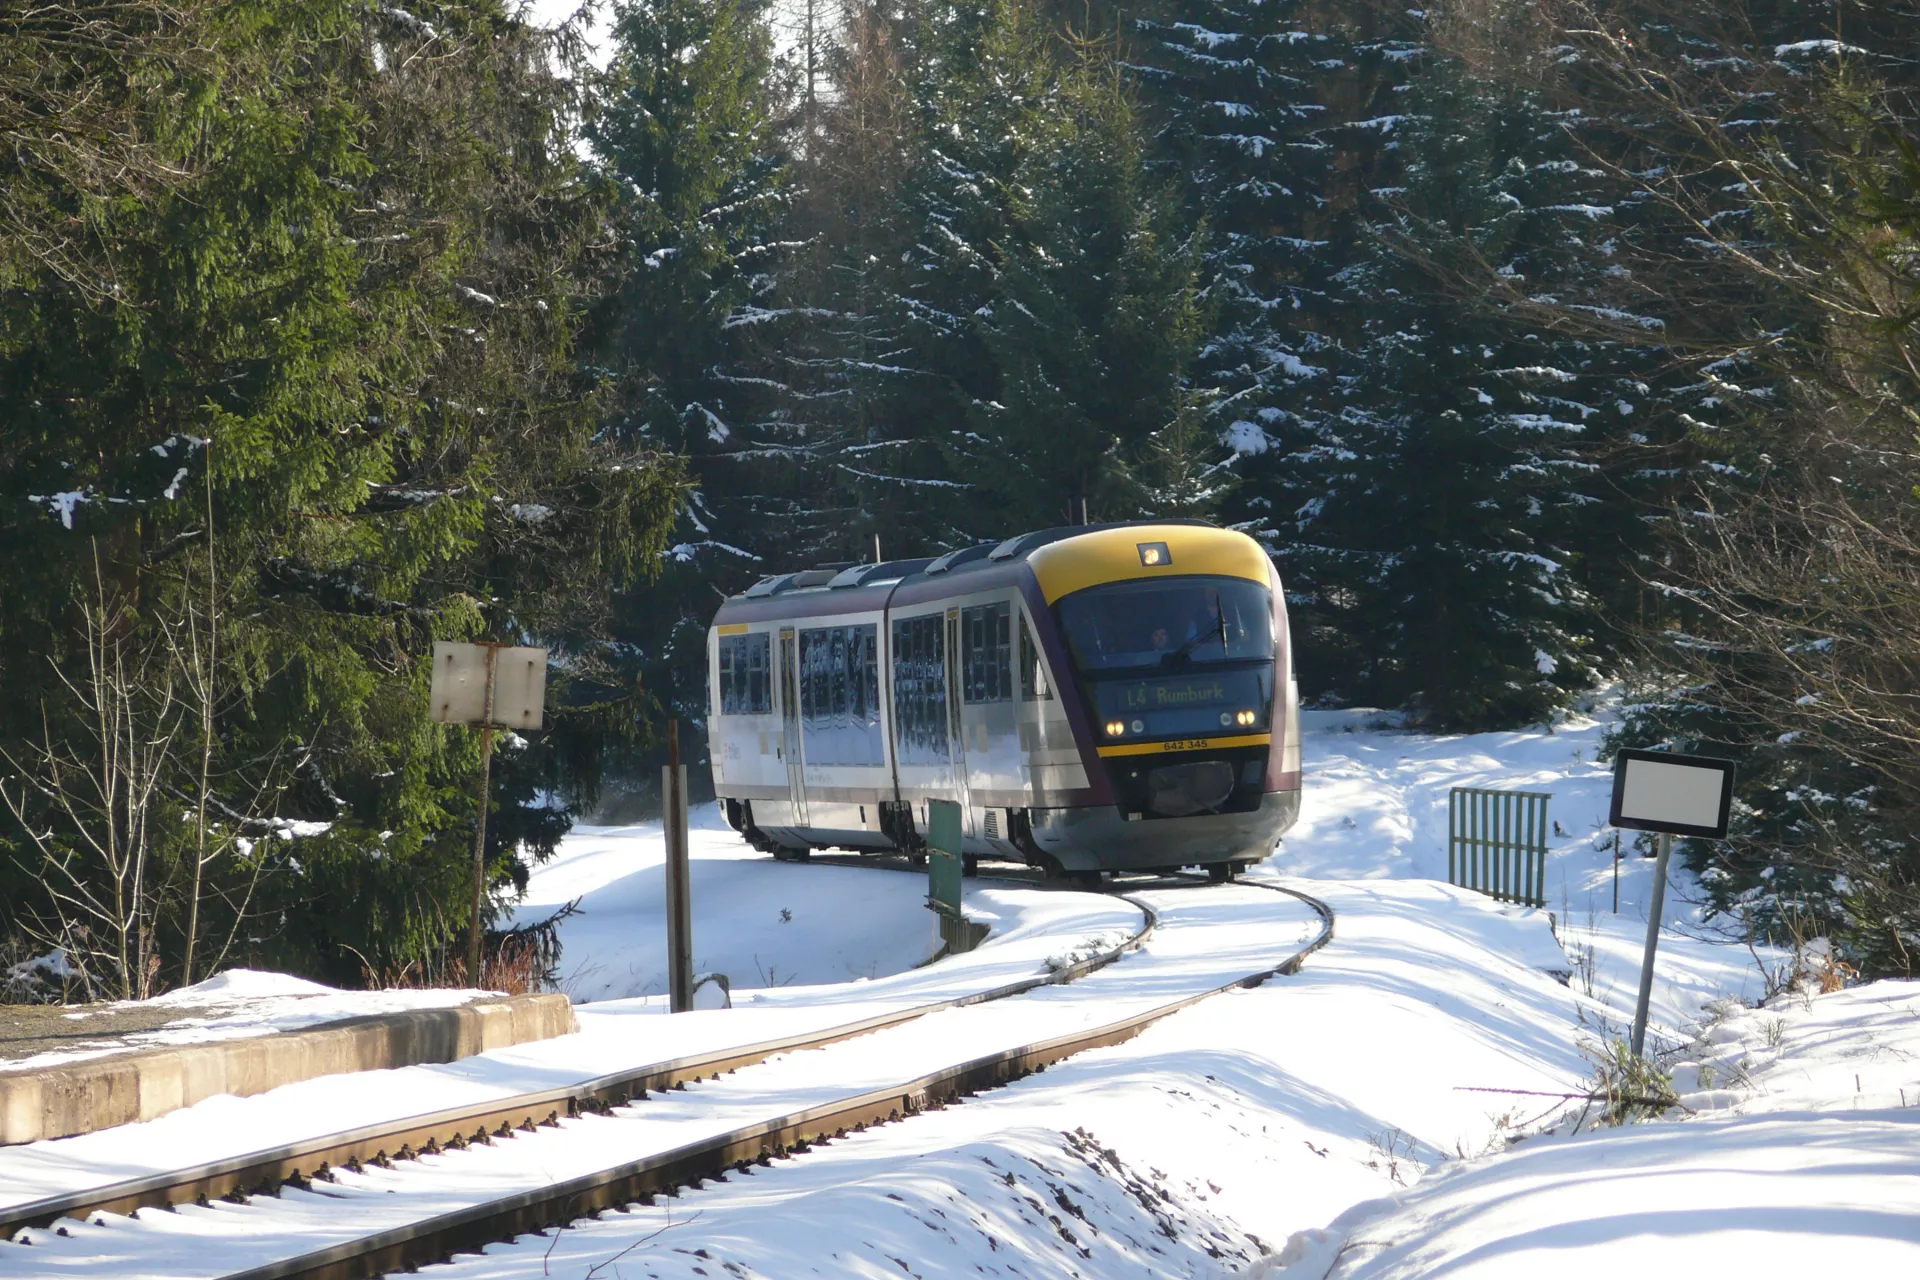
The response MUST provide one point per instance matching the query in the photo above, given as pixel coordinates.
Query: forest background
(1544, 343)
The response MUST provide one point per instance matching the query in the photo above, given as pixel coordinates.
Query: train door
(790, 724)
(956, 728)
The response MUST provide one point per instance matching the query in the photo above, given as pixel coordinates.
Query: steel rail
(264, 1171)
(470, 1229)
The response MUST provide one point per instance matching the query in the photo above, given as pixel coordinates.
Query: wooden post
(474, 976)
(673, 796)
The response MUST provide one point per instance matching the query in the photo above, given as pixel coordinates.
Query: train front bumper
(1098, 838)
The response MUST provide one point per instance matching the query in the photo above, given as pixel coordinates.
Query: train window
(920, 690)
(987, 667)
(1033, 672)
(1167, 623)
(840, 695)
(744, 686)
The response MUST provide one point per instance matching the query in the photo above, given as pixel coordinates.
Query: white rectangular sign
(459, 691)
(1675, 794)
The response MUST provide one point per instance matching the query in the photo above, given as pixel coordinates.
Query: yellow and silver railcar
(1101, 698)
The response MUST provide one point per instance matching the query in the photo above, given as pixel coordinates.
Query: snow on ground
(1375, 806)
(1205, 940)
(1796, 1147)
(764, 924)
(1852, 1050)
(1363, 1111)
(1034, 932)
(233, 1005)
(1214, 1135)
(1438, 1027)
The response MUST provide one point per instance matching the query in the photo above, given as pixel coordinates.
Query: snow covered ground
(1375, 807)
(764, 924)
(1437, 1029)
(1398, 1108)
(1036, 932)
(1204, 941)
(1799, 1152)
(236, 1004)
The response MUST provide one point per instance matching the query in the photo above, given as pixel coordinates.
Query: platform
(141, 1083)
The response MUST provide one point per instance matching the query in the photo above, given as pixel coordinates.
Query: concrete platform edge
(99, 1093)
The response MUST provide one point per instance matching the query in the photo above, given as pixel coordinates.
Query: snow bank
(243, 984)
(1802, 1157)
(1375, 806)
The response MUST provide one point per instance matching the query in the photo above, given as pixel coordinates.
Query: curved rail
(470, 1229)
(263, 1172)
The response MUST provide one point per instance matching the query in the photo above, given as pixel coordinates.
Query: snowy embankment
(1376, 807)
(1799, 1153)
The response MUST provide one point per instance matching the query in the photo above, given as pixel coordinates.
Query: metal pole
(474, 976)
(1653, 941)
(673, 792)
(1616, 873)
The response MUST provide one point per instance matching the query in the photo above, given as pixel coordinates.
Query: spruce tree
(684, 124)
(1453, 487)
(1046, 297)
(311, 372)
(1239, 98)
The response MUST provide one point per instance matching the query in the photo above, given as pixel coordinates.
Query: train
(1097, 699)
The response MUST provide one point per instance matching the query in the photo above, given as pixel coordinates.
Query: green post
(945, 859)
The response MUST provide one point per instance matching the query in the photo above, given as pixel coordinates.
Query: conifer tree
(1450, 462)
(1046, 296)
(1239, 97)
(685, 125)
(311, 369)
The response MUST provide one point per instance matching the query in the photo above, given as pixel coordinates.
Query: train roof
(980, 557)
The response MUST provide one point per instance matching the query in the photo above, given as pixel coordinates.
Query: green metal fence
(1497, 843)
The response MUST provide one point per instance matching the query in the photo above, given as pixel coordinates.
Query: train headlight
(1139, 726)
(1246, 717)
(1226, 719)
(1115, 728)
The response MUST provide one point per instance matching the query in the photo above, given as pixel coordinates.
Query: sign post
(946, 860)
(673, 802)
(486, 686)
(1670, 795)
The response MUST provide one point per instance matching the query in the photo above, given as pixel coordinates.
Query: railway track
(265, 1171)
(469, 1227)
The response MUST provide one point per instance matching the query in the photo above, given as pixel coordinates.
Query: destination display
(1188, 705)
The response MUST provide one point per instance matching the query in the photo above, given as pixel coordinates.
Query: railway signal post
(486, 686)
(1670, 795)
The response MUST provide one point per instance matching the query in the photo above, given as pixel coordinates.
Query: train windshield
(1167, 624)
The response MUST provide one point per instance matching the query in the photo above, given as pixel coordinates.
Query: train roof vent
(1006, 549)
(965, 555)
(809, 578)
(852, 576)
(767, 586)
